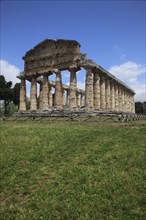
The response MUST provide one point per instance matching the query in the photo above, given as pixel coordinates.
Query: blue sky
(112, 33)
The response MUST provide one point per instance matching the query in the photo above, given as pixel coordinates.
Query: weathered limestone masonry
(103, 91)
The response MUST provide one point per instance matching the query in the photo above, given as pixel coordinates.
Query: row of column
(104, 93)
(72, 98)
(101, 92)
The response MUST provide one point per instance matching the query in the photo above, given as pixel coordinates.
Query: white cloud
(140, 89)
(9, 71)
(127, 70)
(66, 75)
(130, 73)
(81, 85)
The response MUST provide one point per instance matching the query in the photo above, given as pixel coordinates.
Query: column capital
(56, 71)
(74, 67)
(96, 76)
(88, 67)
(21, 76)
(47, 74)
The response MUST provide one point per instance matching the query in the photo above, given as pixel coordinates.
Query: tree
(138, 107)
(6, 92)
(16, 91)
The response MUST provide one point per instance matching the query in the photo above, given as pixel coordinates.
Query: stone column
(67, 97)
(96, 88)
(50, 97)
(102, 92)
(107, 94)
(120, 98)
(128, 102)
(112, 87)
(41, 96)
(33, 94)
(78, 99)
(132, 104)
(63, 93)
(22, 99)
(89, 89)
(116, 98)
(123, 102)
(82, 100)
(73, 87)
(58, 90)
(45, 92)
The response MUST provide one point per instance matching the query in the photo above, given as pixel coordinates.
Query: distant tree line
(10, 98)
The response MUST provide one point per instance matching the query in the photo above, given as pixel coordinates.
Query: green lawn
(72, 171)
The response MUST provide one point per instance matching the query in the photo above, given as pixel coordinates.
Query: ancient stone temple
(103, 91)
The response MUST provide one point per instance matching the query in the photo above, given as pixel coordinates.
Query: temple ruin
(103, 91)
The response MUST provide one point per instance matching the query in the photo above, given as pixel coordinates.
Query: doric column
(41, 96)
(107, 94)
(58, 90)
(120, 98)
(63, 93)
(67, 97)
(33, 94)
(132, 104)
(78, 99)
(125, 100)
(89, 89)
(22, 99)
(128, 102)
(96, 88)
(82, 100)
(102, 92)
(45, 92)
(116, 97)
(112, 87)
(50, 97)
(73, 87)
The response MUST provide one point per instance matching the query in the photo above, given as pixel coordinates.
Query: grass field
(70, 171)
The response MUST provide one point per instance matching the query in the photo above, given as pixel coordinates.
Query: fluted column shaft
(67, 97)
(96, 88)
(102, 92)
(108, 94)
(112, 87)
(132, 104)
(58, 91)
(33, 94)
(89, 89)
(78, 100)
(63, 93)
(73, 88)
(128, 102)
(22, 99)
(45, 92)
(50, 97)
(120, 98)
(116, 98)
(82, 100)
(41, 96)
(125, 100)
